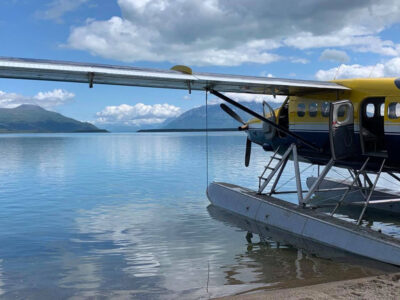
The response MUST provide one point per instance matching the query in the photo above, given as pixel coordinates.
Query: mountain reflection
(44, 155)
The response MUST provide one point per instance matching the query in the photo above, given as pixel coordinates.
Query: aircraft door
(341, 129)
(268, 113)
(392, 125)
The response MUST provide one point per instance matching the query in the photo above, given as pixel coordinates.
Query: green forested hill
(32, 118)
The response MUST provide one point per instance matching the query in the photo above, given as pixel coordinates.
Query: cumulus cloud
(121, 39)
(390, 68)
(255, 97)
(347, 37)
(266, 74)
(47, 100)
(229, 33)
(57, 8)
(350, 71)
(138, 114)
(334, 55)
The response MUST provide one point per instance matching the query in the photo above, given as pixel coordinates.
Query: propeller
(234, 115)
(230, 112)
(245, 126)
(278, 127)
(248, 152)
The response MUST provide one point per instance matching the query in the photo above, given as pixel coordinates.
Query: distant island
(187, 130)
(28, 118)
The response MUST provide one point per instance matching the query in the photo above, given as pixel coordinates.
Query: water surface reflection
(125, 215)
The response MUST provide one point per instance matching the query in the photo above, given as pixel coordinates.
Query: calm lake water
(126, 215)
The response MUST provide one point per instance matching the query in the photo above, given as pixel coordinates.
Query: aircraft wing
(91, 74)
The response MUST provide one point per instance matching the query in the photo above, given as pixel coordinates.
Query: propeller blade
(248, 152)
(230, 112)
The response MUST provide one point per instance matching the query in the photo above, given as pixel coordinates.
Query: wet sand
(378, 287)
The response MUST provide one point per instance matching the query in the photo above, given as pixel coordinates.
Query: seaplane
(352, 124)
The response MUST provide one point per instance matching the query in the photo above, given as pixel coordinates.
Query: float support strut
(370, 193)
(356, 179)
(316, 184)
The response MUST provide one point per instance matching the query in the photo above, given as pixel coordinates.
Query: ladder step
(269, 167)
(277, 158)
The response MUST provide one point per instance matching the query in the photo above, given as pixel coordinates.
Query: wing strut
(262, 118)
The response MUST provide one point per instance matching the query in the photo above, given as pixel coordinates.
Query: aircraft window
(313, 109)
(325, 107)
(370, 110)
(394, 110)
(342, 112)
(382, 110)
(301, 109)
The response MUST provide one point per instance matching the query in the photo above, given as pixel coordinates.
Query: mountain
(33, 118)
(196, 118)
(119, 127)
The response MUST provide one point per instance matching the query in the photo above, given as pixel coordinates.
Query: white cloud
(299, 60)
(120, 39)
(47, 100)
(222, 32)
(255, 97)
(334, 55)
(347, 37)
(350, 71)
(390, 68)
(266, 74)
(138, 114)
(57, 8)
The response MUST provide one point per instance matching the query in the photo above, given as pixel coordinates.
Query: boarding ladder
(276, 166)
(269, 168)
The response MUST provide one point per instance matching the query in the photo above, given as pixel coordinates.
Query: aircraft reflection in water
(289, 260)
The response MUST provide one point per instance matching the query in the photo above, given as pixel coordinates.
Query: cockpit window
(394, 110)
(313, 109)
(301, 109)
(325, 107)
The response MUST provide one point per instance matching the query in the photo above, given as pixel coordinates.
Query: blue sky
(305, 40)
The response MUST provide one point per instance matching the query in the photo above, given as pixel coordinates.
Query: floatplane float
(352, 124)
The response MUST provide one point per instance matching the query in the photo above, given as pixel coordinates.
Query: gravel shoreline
(378, 287)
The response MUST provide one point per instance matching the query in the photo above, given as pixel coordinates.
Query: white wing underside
(34, 69)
